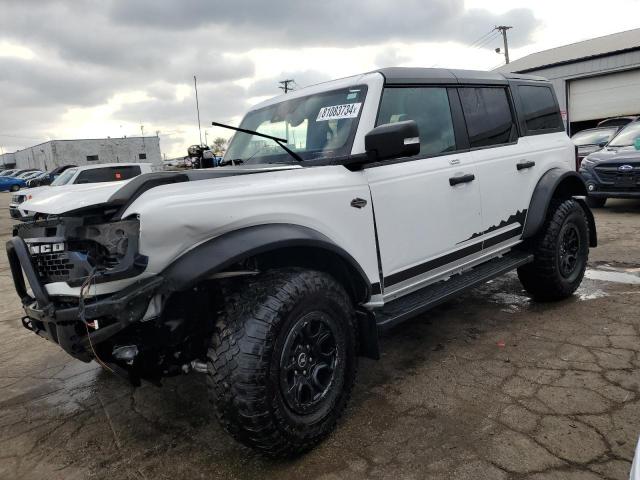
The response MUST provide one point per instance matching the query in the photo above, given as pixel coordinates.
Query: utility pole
(285, 85)
(195, 86)
(503, 30)
(206, 141)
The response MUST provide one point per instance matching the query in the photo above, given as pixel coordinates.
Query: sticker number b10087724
(338, 112)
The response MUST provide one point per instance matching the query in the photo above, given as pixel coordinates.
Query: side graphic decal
(517, 217)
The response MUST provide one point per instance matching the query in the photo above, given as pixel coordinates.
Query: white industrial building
(594, 79)
(55, 153)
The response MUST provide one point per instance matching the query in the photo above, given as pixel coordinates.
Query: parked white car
(88, 174)
(341, 209)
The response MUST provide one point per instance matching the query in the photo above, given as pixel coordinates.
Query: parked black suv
(614, 171)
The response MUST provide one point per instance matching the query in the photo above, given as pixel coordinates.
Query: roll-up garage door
(604, 96)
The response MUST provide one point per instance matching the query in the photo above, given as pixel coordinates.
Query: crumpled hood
(65, 198)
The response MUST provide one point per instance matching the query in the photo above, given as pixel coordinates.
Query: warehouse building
(594, 79)
(55, 153)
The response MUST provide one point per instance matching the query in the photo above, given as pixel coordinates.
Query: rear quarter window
(539, 109)
(108, 174)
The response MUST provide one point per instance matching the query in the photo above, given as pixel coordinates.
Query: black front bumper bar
(59, 324)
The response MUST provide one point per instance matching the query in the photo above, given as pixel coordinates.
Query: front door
(427, 208)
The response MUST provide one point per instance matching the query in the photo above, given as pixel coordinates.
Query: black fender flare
(560, 183)
(230, 248)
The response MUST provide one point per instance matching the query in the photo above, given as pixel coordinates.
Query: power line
(479, 40)
(487, 41)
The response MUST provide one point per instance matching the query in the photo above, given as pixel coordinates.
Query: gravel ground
(489, 386)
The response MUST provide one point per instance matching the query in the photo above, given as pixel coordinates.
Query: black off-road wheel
(561, 252)
(596, 202)
(282, 361)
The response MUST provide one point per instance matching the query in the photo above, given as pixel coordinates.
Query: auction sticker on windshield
(337, 112)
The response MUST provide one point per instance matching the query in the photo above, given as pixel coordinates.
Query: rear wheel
(14, 188)
(561, 251)
(596, 202)
(282, 361)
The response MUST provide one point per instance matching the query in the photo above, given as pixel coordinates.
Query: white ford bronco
(339, 210)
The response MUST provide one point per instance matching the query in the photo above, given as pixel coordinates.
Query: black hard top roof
(410, 75)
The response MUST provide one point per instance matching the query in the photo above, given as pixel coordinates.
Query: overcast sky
(97, 68)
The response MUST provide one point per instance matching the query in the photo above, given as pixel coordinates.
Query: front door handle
(525, 164)
(469, 177)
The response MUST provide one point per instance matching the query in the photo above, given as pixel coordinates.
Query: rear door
(499, 155)
(427, 208)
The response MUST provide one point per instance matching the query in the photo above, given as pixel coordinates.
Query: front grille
(53, 267)
(617, 179)
(17, 198)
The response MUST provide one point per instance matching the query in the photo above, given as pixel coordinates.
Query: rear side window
(488, 116)
(108, 174)
(540, 111)
(429, 107)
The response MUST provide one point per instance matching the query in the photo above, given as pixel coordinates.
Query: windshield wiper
(280, 141)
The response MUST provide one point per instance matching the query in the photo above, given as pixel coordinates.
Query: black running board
(428, 297)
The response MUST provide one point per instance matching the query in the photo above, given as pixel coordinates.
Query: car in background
(614, 171)
(592, 140)
(619, 122)
(8, 172)
(15, 183)
(47, 177)
(88, 174)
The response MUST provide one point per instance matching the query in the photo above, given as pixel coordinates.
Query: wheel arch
(275, 245)
(557, 183)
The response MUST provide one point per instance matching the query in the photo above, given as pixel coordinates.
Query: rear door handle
(525, 164)
(469, 177)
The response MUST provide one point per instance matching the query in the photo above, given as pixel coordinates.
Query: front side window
(488, 116)
(539, 109)
(315, 127)
(108, 174)
(429, 108)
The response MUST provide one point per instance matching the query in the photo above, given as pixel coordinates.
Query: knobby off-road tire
(596, 202)
(282, 361)
(561, 251)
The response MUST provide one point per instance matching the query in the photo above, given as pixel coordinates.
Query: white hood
(57, 200)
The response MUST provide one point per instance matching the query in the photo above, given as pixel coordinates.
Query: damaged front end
(136, 331)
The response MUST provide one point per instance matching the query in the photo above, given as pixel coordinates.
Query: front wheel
(282, 361)
(561, 251)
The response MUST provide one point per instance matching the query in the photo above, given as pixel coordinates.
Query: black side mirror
(392, 140)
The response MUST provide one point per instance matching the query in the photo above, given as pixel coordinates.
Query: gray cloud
(89, 50)
(330, 22)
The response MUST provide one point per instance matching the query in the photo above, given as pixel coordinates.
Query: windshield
(316, 126)
(64, 178)
(593, 137)
(627, 136)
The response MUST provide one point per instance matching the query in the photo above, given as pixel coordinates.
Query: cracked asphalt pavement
(489, 386)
